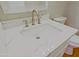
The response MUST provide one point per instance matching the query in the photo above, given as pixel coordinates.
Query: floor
(75, 53)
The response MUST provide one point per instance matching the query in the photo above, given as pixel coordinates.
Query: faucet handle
(26, 23)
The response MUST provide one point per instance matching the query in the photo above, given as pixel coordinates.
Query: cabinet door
(59, 51)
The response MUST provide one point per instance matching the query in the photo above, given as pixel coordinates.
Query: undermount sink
(43, 35)
(42, 32)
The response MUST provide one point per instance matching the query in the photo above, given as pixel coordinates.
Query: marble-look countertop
(15, 44)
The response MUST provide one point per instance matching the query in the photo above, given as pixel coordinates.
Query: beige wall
(57, 8)
(4, 17)
(70, 9)
(73, 14)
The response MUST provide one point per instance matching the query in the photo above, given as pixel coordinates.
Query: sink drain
(38, 37)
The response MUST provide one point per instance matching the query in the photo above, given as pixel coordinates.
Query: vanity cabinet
(59, 51)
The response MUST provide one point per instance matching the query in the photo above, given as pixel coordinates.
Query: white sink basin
(42, 32)
(43, 36)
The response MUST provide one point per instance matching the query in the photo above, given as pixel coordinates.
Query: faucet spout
(33, 14)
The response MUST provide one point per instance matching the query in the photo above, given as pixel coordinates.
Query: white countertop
(15, 43)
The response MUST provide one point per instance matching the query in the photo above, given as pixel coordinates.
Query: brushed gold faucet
(33, 14)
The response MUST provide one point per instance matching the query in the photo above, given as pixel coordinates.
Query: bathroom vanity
(48, 39)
